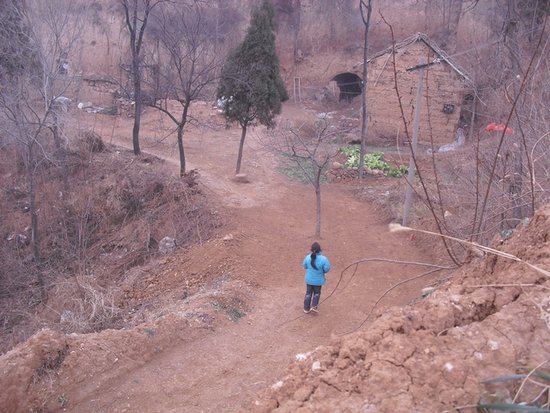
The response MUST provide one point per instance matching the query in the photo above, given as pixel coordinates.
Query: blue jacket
(316, 276)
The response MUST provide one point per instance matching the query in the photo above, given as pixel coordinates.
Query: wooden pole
(297, 90)
(416, 128)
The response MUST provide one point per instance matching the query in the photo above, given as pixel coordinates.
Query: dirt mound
(52, 369)
(492, 319)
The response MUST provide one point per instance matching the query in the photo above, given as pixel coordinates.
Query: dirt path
(271, 226)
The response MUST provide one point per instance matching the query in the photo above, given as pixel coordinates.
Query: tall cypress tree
(251, 85)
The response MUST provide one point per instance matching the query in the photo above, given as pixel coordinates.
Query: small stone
(455, 298)
(302, 356)
(241, 178)
(427, 291)
(277, 385)
(167, 245)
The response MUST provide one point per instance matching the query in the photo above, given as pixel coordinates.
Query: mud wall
(443, 92)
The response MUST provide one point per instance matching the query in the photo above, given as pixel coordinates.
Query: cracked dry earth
(240, 342)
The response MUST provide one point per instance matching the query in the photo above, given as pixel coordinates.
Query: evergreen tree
(251, 86)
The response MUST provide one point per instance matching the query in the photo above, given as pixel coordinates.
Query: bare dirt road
(269, 231)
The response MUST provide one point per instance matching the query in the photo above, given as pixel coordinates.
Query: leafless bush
(500, 177)
(91, 309)
(91, 142)
(115, 220)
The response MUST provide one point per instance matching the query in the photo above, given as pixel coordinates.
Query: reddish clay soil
(221, 347)
(271, 225)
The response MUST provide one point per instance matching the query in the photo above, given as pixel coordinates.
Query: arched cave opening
(350, 85)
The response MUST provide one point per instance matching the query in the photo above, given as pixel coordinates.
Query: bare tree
(311, 148)
(187, 64)
(509, 172)
(366, 11)
(61, 32)
(449, 12)
(32, 91)
(136, 16)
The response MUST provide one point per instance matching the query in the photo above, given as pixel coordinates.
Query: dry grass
(118, 207)
(92, 308)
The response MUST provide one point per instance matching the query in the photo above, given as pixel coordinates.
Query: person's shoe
(306, 311)
(314, 309)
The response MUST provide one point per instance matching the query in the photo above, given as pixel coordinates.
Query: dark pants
(313, 293)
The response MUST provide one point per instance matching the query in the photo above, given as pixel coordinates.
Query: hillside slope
(491, 320)
(220, 319)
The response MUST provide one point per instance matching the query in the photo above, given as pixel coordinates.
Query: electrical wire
(374, 259)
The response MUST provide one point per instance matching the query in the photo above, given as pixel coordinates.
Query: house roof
(421, 37)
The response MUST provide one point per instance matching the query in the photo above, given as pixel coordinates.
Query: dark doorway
(350, 85)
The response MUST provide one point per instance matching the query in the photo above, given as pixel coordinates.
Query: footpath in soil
(227, 346)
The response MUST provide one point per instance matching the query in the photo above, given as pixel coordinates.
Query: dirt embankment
(492, 319)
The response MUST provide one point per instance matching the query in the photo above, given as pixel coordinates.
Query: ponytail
(315, 249)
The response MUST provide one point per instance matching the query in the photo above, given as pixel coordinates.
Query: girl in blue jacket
(316, 265)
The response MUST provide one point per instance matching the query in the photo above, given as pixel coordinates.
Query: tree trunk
(35, 239)
(61, 156)
(318, 204)
(137, 105)
(416, 127)
(503, 220)
(318, 210)
(241, 147)
(515, 188)
(455, 12)
(181, 150)
(136, 38)
(364, 107)
(181, 127)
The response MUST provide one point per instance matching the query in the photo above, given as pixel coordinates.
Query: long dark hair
(315, 249)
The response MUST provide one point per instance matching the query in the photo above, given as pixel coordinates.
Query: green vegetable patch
(373, 161)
